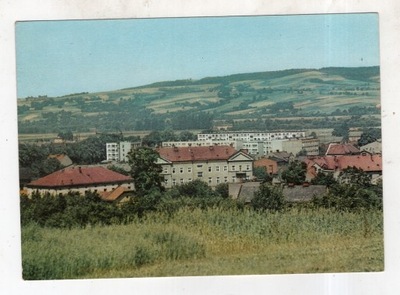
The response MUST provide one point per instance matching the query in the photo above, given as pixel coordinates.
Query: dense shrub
(268, 197)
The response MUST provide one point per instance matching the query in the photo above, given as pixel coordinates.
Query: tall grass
(208, 242)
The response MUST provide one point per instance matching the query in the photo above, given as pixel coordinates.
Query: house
(270, 166)
(336, 149)
(282, 158)
(373, 147)
(211, 164)
(369, 163)
(64, 160)
(244, 192)
(80, 179)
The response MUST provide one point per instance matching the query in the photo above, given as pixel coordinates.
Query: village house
(109, 184)
(336, 149)
(212, 164)
(244, 192)
(270, 166)
(373, 147)
(64, 160)
(369, 163)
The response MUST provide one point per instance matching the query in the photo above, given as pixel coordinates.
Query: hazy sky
(61, 57)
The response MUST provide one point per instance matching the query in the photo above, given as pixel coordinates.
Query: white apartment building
(258, 146)
(118, 151)
(211, 164)
(249, 136)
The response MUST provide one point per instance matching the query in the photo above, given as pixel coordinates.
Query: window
(225, 168)
(181, 180)
(209, 169)
(233, 167)
(199, 174)
(189, 179)
(209, 180)
(218, 180)
(199, 166)
(247, 167)
(173, 181)
(226, 179)
(217, 168)
(240, 167)
(165, 170)
(189, 169)
(181, 170)
(233, 178)
(173, 170)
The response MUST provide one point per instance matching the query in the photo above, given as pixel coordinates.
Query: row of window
(211, 180)
(210, 169)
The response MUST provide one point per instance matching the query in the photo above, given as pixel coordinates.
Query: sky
(56, 58)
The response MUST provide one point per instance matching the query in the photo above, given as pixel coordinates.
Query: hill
(196, 104)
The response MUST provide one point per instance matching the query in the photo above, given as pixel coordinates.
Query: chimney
(80, 169)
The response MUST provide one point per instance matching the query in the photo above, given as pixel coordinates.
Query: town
(221, 157)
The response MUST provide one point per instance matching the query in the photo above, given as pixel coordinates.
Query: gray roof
(245, 191)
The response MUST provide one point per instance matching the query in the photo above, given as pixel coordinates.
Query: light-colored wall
(212, 172)
(94, 188)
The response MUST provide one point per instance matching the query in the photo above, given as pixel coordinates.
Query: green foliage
(295, 173)
(68, 211)
(208, 242)
(261, 174)
(145, 171)
(268, 197)
(369, 135)
(66, 135)
(164, 105)
(342, 130)
(354, 192)
(222, 190)
(324, 179)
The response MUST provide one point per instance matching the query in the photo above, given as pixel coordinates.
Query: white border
(387, 282)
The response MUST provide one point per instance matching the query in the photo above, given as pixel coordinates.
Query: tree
(268, 197)
(353, 192)
(355, 176)
(295, 173)
(145, 171)
(342, 130)
(324, 179)
(369, 135)
(261, 174)
(66, 135)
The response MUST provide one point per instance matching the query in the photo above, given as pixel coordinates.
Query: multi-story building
(81, 179)
(211, 164)
(119, 151)
(249, 136)
(259, 146)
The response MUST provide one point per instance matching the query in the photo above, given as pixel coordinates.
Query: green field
(196, 242)
(178, 104)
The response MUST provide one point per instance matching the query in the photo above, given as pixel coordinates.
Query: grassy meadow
(195, 242)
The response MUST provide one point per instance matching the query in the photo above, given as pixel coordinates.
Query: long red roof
(366, 162)
(197, 153)
(79, 176)
(341, 149)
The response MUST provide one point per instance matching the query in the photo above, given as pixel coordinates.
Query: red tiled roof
(365, 161)
(115, 194)
(198, 153)
(263, 162)
(77, 176)
(341, 149)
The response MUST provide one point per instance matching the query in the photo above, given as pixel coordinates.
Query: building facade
(80, 179)
(213, 165)
(118, 151)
